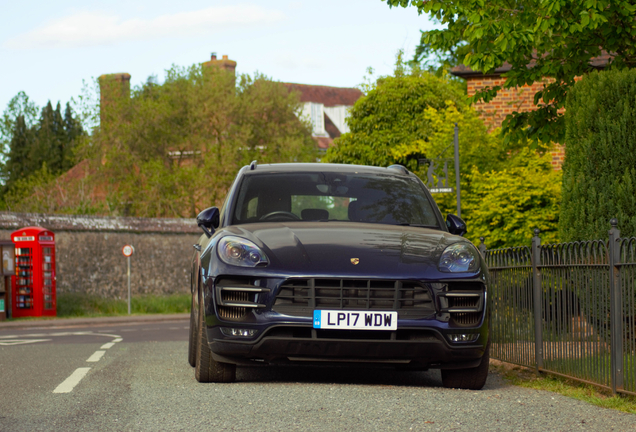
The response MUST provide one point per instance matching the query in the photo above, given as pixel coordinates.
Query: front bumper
(406, 348)
(429, 312)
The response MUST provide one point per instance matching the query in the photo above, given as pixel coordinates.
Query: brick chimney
(112, 87)
(224, 63)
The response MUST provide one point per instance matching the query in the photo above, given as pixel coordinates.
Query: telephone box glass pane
(24, 279)
(47, 266)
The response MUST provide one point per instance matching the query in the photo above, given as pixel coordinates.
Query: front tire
(207, 369)
(470, 378)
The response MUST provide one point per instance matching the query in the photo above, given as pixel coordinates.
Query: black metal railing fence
(568, 308)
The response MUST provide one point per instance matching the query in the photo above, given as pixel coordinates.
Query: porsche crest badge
(355, 261)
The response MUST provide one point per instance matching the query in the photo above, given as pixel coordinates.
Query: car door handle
(197, 247)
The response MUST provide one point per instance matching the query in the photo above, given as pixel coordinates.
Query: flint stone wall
(90, 260)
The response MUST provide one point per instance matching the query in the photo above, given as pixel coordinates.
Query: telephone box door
(34, 290)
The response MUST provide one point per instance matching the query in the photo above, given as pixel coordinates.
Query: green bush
(392, 114)
(81, 305)
(599, 173)
(506, 191)
(506, 206)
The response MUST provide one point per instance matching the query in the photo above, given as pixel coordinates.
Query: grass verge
(82, 305)
(528, 378)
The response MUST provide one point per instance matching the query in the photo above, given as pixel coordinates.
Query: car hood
(332, 248)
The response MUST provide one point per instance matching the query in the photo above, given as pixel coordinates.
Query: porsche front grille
(299, 297)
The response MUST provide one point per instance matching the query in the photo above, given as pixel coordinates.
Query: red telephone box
(33, 285)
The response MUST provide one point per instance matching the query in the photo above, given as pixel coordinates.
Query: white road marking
(106, 334)
(69, 383)
(22, 341)
(35, 335)
(96, 356)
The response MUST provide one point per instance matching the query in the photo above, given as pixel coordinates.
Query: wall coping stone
(60, 222)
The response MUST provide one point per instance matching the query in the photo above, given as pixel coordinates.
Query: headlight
(240, 252)
(459, 258)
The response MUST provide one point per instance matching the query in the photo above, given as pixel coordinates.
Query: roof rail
(253, 165)
(400, 168)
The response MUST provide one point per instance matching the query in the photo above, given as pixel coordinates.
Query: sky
(48, 48)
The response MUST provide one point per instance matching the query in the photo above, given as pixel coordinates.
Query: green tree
(599, 173)
(553, 39)
(18, 164)
(74, 133)
(440, 62)
(388, 124)
(49, 141)
(29, 193)
(173, 149)
(19, 105)
(411, 115)
(507, 191)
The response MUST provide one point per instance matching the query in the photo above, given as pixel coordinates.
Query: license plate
(355, 320)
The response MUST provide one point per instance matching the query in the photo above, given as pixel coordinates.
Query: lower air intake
(233, 312)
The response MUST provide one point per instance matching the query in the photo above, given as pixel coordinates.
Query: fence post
(616, 306)
(482, 247)
(537, 299)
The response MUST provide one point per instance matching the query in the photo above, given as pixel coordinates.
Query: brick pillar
(224, 63)
(112, 87)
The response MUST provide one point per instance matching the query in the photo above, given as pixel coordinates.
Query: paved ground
(142, 381)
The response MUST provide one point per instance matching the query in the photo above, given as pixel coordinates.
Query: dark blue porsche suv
(315, 263)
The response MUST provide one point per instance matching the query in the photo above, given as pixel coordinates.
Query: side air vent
(236, 297)
(464, 301)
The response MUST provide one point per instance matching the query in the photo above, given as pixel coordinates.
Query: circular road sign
(128, 250)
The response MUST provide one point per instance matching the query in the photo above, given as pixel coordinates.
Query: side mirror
(208, 220)
(456, 225)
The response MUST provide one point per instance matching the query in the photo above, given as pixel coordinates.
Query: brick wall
(89, 257)
(507, 101)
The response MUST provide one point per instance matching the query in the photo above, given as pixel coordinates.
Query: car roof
(324, 167)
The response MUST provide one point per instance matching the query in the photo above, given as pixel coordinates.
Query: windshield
(314, 196)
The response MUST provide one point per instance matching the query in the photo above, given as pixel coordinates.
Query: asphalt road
(142, 381)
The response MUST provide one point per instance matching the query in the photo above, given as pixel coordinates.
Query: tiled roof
(465, 72)
(328, 96)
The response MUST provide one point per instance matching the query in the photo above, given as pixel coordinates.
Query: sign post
(128, 250)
